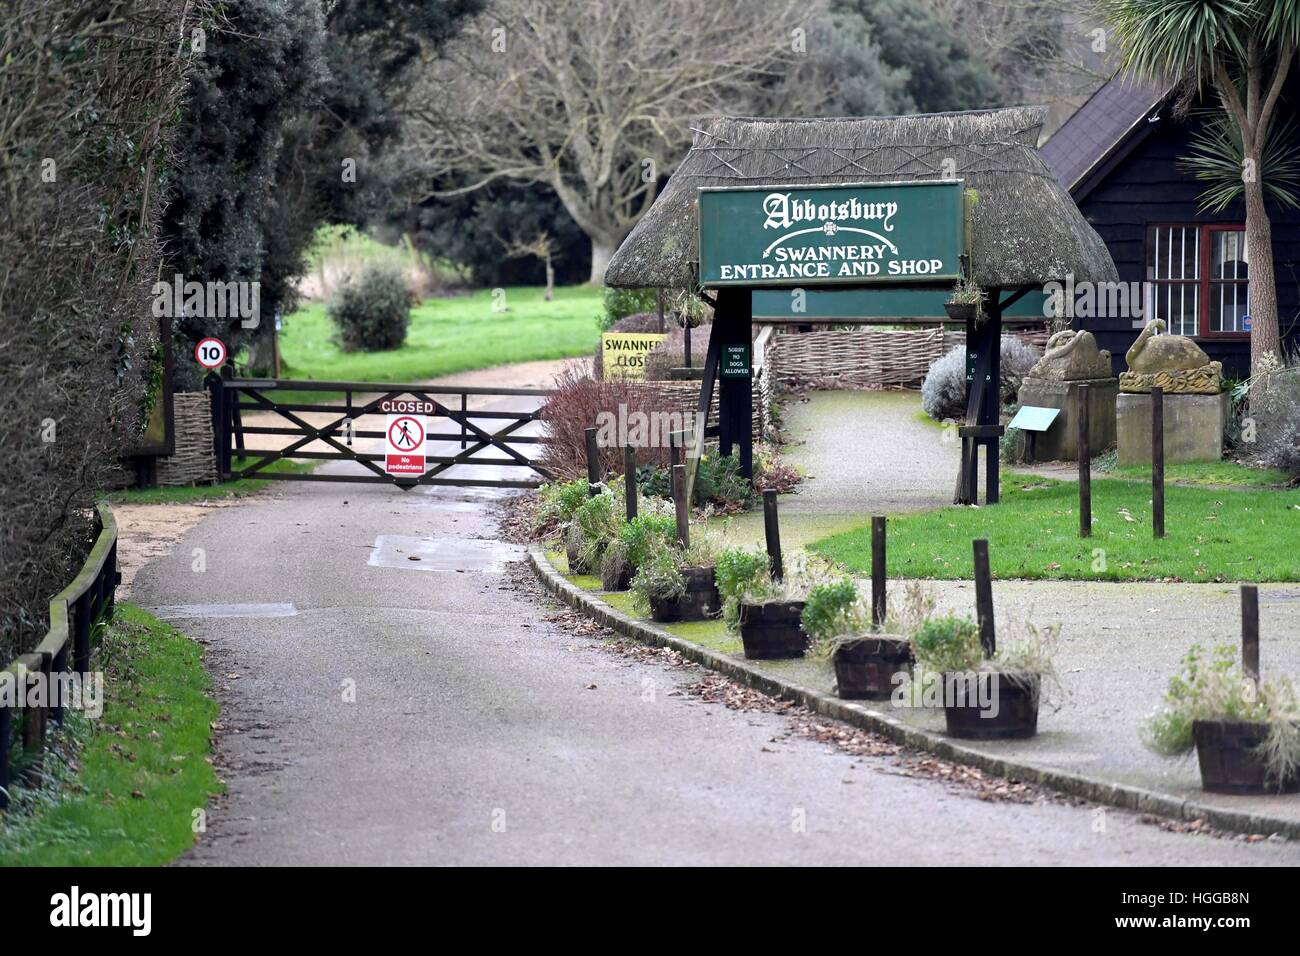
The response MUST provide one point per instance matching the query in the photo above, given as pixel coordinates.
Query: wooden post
(593, 462)
(877, 570)
(984, 597)
(629, 480)
(731, 326)
(772, 531)
(686, 339)
(1250, 631)
(80, 627)
(1158, 461)
(464, 407)
(659, 303)
(1085, 462)
(683, 506)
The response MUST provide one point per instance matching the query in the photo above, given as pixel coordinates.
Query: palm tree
(1244, 50)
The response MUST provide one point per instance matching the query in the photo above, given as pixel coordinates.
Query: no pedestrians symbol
(404, 445)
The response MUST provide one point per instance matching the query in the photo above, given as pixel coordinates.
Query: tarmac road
(381, 710)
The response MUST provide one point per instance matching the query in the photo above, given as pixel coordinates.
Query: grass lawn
(1212, 535)
(1209, 473)
(450, 335)
(227, 489)
(127, 791)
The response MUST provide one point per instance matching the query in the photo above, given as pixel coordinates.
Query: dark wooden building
(1118, 155)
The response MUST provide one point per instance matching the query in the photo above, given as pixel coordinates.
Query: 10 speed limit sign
(210, 353)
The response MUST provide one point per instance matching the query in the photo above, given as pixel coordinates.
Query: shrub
(659, 576)
(557, 502)
(620, 303)
(595, 524)
(371, 314)
(640, 536)
(91, 95)
(834, 610)
(948, 644)
(577, 404)
(718, 481)
(943, 393)
(1275, 408)
(741, 575)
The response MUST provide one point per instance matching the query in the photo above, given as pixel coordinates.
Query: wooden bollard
(1158, 461)
(1085, 463)
(878, 569)
(1250, 631)
(984, 597)
(593, 462)
(772, 532)
(681, 505)
(629, 480)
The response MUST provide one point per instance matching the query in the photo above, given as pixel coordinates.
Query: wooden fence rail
(66, 648)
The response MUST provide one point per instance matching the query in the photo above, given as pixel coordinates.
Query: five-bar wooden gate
(345, 403)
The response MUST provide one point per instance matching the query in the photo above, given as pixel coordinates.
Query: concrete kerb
(859, 715)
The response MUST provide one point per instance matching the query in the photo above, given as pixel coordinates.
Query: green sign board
(878, 304)
(735, 361)
(820, 235)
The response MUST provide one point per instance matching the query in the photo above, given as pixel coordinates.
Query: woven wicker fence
(866, 358)
(193, 462)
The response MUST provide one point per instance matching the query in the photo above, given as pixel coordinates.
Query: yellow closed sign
(623, 353)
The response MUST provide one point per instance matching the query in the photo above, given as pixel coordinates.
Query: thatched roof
(1025, 229)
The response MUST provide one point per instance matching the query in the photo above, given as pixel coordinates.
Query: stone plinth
(1194, 426)
(1061, 440)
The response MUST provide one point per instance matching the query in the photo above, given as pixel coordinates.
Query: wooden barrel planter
(1231, 761)
(865, 666)
(700, 602)
(618, 582)
(773, 630)
(1009, 710)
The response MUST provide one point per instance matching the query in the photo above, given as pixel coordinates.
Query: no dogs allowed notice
(404, 438)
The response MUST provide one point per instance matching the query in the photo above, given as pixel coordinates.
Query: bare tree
(595, 99)
(539, 245)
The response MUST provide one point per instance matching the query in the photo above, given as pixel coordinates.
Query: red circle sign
(403, 436)
(210, 353)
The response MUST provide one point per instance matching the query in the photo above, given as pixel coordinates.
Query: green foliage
(659, 575)
(262, 65)
(1213, 686)
(620, 303)
(128, 784)
(937, 70)
(557, 501)
(741, 575)
(718, 482)
(1215, 157)
(948, 644)
(595, 524)
(644, 533)
(372, 313)
(834, 610)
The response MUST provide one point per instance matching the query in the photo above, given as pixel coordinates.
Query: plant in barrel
(868, 659)
(766, 611)
(678, 583)
(636, 539)
(1246, 733)
(990, 697)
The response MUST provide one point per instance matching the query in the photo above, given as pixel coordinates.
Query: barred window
(1198, 278)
